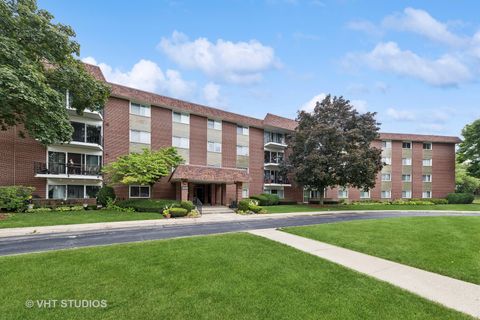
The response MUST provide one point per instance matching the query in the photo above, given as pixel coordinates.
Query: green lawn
(445, 245)
(312, 208)
(71, 217)
(234, 276)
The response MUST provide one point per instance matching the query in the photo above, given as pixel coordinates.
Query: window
(386, 194)
(245, 192)
(364, 194)
(386, 177)
(214, 124)
(78, 131)
(343, 193)
(140, 136)
(277, 192)
(214, 146)
(180, 142)
(427, 178)
(407, 161)
(94, 134)
(242, 131)
(273, 157)
(83, 132)
(56, 192)
(139, 191)
(406, 177)
(139, 109)
(427, 146)
(315, 194)
(427, 194)
(242, 150)
(386, 144)
(387, 161)
(406, 194)
(181, 117)
(91, 191)
(274, 137)
(427, 162)
(75, 192)
(406, 145)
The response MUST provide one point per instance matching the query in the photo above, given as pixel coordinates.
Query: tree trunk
(320, 200)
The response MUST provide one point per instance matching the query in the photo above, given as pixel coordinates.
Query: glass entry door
(56, 162)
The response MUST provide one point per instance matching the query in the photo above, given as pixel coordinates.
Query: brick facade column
(238, 186)
(213, 193)
(184, 190)
(224, 195)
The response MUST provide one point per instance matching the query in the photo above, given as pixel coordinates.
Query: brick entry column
(184, 190)
(213, 194)
(238, 192)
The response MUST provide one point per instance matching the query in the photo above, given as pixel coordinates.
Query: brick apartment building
(227, 155)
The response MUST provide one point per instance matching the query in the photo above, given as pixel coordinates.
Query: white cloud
(359, 105)
(365, 26)
(147, 75)
(400, 115)
(444, 71)
(233, 62)
(211, 93)
(310, 105)
(421, 22)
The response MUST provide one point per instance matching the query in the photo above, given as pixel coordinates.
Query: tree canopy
(464, 182)
(38, 65)
(332, 147)
(144, 168)
(469, 150)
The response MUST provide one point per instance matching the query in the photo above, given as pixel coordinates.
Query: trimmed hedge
(147, 205)
(266, 199)
(15, 198)
(460, 198)
(243, 204)
(187, 205)
(177, 212)
(104, 194)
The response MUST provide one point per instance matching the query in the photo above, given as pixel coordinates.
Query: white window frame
(386, 144)
(145, 134)
(410, 142)
(139, 186)
(145, 108)
(427, 143)
(387, 161)
(407, 196)
(427, 165)
(389, 194)
(389, 174)
(245, 192)
(362, 196)
(344, 192)
(184, 117)
(407, 175)
(244, 130)
(427, 180)
(424, 193)
(406, 161)
(242, 148)
(213, 146)
(214, 124)
(183, 143)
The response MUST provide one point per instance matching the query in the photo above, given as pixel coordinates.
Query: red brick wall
(293, 193)
(443, 170)
(198, 140)
(256, 150)
(229, 145)
(116, 132)
(16, 161)
(396, 169)
(417, 157)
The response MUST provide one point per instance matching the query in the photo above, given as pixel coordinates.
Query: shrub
(104, 194)
(255, 208)
(39, 210)
(178, 212)
(147, 205)
(266, 199)
(438, 201)
(243, 204)
(90, 207)
(15, 198)
(187, 205)
(460, 198)
(287, 202)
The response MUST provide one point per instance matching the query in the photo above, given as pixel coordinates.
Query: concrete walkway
(207, 218)
(452, 293)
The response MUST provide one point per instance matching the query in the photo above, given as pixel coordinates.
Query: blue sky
(415, 63)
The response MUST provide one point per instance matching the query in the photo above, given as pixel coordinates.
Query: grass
(444, 245)
(234, 276)
(312, 208)
(51, 218)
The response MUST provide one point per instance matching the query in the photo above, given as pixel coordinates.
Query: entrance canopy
(204, 174)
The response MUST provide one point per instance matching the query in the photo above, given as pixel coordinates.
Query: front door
(202, 193)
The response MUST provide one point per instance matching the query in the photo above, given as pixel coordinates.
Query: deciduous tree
(469, 151)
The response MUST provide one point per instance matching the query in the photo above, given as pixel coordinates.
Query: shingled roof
(418, 137)
(272, 120)
(95, 71)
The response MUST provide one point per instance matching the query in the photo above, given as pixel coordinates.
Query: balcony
(87, 136)
(67, 170)
(87, 113)
(270, 181)
(273, 159)
(276, 140)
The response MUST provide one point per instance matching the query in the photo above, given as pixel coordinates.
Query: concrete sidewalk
(455, 294)
(207, 218)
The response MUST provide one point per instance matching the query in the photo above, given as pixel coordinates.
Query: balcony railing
(55, 168)
(276, 180)
(274, 139)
